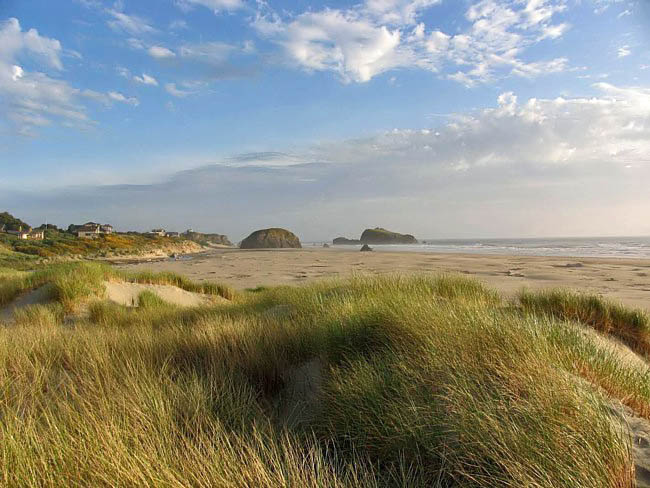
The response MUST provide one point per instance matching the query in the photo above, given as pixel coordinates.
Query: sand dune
(123, 293)
(39, 296)
(127, 294)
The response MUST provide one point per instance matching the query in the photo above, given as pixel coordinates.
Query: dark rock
(344, 241)
(383, 236)
(365, 248)
(326, 245)
(273, 238)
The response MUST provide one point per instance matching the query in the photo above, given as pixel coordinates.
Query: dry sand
(627, 280)
(39, 296)
(640, 432)
(122, 293)
(128, 293)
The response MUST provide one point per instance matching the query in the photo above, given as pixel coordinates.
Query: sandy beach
(627, 280)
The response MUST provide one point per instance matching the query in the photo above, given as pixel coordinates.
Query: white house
(37, 235)
(90, 230)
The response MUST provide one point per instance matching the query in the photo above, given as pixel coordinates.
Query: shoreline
(623, 279)
(386, 248)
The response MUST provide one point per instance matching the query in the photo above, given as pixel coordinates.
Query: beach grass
(631, 326)
(370, 381)
(73, 283)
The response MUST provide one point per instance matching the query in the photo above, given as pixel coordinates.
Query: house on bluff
(90, 230)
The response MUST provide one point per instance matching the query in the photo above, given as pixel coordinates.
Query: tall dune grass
(631, 326)
(422, 382)
(74, 283)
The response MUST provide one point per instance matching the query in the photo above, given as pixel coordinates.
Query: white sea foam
(619, 247)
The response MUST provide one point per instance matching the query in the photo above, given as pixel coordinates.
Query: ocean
(610, 247)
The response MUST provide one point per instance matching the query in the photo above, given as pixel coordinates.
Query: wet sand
(627, 280)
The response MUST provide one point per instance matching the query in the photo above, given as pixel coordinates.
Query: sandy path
(627, 280)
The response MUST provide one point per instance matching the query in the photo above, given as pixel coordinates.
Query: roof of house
(87, 228)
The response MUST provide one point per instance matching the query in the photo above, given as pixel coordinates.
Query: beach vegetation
(630, 326)
(369, 381)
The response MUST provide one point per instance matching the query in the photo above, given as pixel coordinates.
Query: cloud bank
(545, 167)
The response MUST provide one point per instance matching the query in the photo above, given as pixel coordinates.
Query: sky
(440, 118)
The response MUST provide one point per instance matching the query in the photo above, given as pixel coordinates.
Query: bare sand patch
(127, 294)
(639, 430)
(39, 296)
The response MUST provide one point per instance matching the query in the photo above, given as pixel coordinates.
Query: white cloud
(207, 52)
(131, 24)
(145, 79)
(500, 32)
(17, 73)
(624, 51)
(201, 63)
(215, 5)
(178, 24)
(14, 40)
(119, 97)
(343, 42)
(160, 52)
(173, 90)
(248, 46)
(363, 41)
(603, 5)
(33, 99)
(136, 43)
(397, 12)
(522, 136)
(123, 72)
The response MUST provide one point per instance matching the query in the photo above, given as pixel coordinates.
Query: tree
(12, 223)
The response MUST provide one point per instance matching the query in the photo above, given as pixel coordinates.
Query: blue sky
(445, 118)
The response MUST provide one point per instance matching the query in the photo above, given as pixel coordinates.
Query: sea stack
(379, 235)
(274, 238)
(344, 241)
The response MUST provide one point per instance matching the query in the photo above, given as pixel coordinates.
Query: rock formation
(207, 239)
(271, 239)
(383, 236)
(340, 241)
